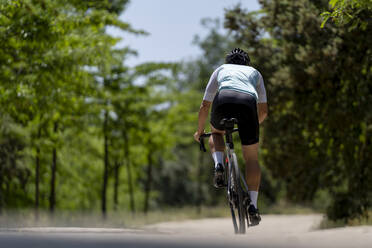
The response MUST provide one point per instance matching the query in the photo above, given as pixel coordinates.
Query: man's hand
(197, 136)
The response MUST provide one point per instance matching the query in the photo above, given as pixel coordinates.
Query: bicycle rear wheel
(236, 196)
(235, 224)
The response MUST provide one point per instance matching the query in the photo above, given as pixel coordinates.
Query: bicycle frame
(230, 153)
(229, 148)
(238, 196)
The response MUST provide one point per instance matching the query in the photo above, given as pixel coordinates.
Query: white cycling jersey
(240, 78)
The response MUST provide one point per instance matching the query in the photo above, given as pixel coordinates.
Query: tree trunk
(116, 185)
(52, 197)
(148, 182)
(129, 173)
(106, 165)
(37, 175)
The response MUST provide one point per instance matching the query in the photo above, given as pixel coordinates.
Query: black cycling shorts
(243, 107)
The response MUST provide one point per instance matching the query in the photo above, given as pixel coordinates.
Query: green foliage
(133, 126)
(319, 84)
(49, 51)
(353, 12)
(60, 68)
(14, 175)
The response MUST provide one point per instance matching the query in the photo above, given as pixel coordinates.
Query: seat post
(228, 125)
(228, 136)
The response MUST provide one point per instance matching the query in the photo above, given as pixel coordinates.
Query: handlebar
(206, 135)
(201, 141)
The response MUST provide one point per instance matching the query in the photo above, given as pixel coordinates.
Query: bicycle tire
(241, 209)
(239, 206)
(229, 194)
(235, 224)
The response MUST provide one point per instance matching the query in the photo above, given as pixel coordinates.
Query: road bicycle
(237, 189)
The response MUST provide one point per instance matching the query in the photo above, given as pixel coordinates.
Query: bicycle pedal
(219, 184)
(254, 219)
(254, 222)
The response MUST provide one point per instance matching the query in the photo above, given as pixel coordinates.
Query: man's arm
(262, 111)
(209, 94)
(202, 118)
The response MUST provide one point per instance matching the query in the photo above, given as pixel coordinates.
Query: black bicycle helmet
(237, 56)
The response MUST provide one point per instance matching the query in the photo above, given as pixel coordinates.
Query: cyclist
(237, 90)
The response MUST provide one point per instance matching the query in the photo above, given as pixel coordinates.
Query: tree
(13, 174)
(317, 80)
(49, 49)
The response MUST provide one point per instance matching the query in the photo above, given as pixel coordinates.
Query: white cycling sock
(218, 157)
(253, 195)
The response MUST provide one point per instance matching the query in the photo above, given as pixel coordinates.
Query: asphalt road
(274, 231)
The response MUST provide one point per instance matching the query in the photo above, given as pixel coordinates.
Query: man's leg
(252, 170)
(217, 147)
(253, 177)
(216, 142)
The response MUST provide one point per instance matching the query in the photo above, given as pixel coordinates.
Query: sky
(172, 25)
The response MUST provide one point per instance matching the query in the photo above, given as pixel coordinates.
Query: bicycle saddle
(228, 123)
